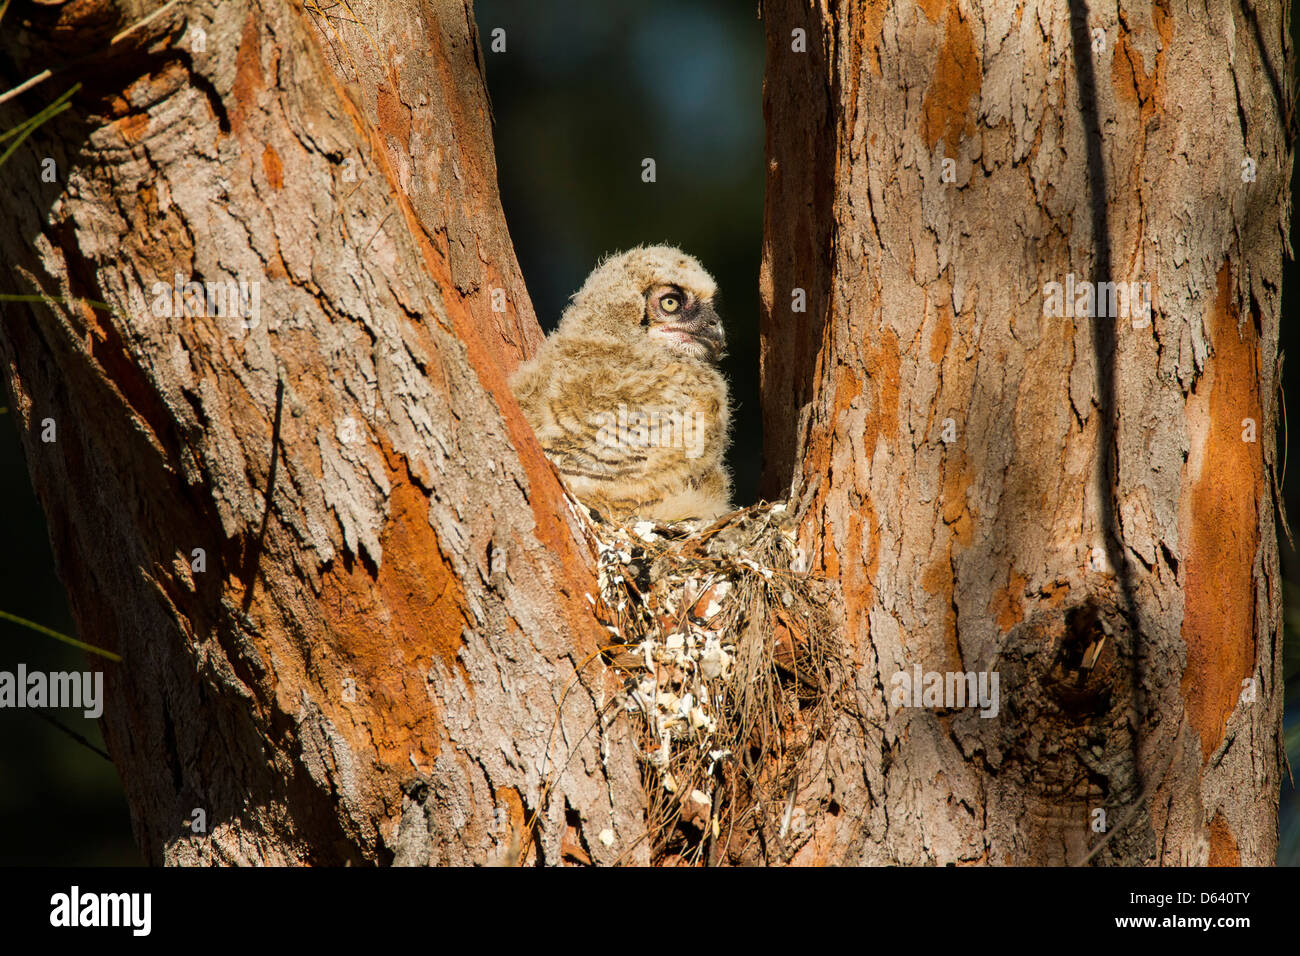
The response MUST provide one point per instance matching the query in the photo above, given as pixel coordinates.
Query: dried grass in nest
(730, 671)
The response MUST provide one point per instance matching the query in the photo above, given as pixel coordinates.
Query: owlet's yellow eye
(670, 303)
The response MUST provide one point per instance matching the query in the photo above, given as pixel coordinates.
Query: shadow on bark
(1105, 343)
(181, 740)
(800, 196)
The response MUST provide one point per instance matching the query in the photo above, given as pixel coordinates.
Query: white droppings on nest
(715, 660)
(714, 757)
(680, 598)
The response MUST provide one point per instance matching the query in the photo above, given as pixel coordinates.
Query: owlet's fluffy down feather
(625, 395)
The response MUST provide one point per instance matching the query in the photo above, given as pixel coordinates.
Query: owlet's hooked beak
(694, 331)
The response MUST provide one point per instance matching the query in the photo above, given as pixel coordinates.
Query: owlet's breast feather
(625, 395)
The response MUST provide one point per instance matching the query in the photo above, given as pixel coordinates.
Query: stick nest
(729, 670)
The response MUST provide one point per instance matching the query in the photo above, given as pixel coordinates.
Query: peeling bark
(1094, 481)
(375, 515)
(387, 655)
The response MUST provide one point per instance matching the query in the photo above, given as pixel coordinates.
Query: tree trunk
(340, 573)
(998, 486)
(350, 595)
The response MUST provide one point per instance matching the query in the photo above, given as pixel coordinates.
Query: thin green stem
(93, 303)
(30, 126)
(58, 636)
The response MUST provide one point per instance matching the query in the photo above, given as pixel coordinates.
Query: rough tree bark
(376, 520)
(996, 489)
(386, 653)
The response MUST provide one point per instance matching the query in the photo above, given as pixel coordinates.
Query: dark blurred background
(580, 100)
(680, 83)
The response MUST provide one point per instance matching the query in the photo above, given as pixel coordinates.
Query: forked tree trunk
(349, 594)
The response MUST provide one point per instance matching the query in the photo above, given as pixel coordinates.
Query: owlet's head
(655, 294)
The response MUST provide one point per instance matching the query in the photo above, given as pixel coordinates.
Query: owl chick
(625, 395)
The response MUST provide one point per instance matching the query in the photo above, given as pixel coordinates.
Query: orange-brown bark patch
(1056, 593)
(957, 479)
(848, 389)
(933, 9)
(133, 126)
(273, 168)
(956, 81)
(394, 118)
(1008, 604)
(942, 334)
(816, 466)
(512, 804)
(1128, 74)
(1223, 845)
(390, 624)
(1219, 521)
(937, 580)
(855, 567)
(883, 364)
(868, 561)
(416, 579)
(866, 39)
(937, 577)
(249, 80)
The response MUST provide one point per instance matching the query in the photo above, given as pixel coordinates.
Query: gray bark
(1098, 476)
